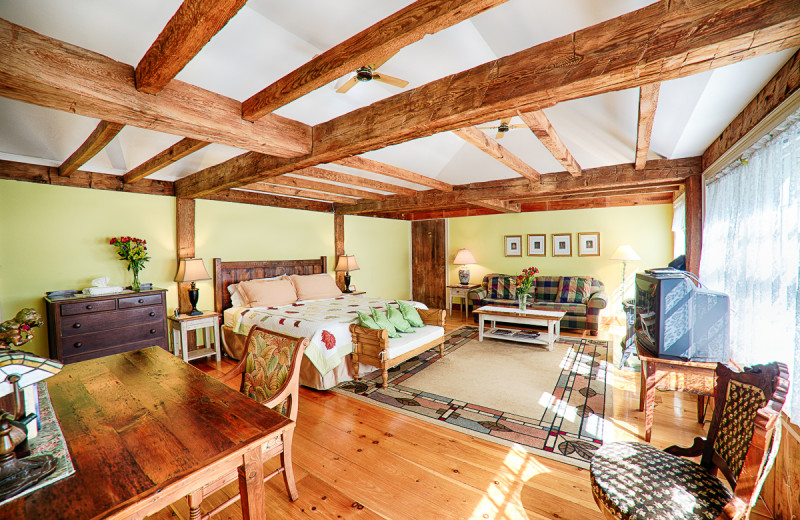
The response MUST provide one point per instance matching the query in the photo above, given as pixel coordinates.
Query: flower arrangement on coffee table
(524, 284)
(134, 251)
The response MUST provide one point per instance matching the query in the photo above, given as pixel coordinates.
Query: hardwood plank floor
(355, 460)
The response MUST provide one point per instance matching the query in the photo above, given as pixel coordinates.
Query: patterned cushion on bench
(503, 287)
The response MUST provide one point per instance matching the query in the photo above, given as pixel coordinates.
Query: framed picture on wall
(513, 245)
(562, 244)
(537, 245)
(588, 244)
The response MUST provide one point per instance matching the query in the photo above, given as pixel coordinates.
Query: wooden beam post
(648, 102)
(338, 238)
(100, 137)
(694, 223)
(184, 211)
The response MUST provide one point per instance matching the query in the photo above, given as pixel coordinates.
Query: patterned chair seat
(639, 482)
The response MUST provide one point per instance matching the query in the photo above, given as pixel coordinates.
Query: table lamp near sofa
(464, 258)
(347, 263)
(192, 270)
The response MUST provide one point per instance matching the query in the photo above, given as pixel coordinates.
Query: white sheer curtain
(679, 226)
(751, 251)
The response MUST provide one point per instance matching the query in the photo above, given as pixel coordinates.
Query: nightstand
(459, 291)
(183, 323)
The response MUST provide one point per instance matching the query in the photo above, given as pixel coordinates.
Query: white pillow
(237, 300)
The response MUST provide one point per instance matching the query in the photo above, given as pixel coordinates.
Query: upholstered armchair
(635, 481)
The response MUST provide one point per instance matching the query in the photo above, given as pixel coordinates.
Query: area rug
(552, 403)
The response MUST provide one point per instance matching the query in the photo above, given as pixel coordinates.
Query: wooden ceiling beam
(503, 206)
(190, 28)
(265, 199)
(662, 41)
(541, 127)
(384, 38)
(99, 138)
(325, 187)
(486, 144)
(174, 153)
(648, 102)
(656, 173)
(362, 163)
(297, 192)
(47, 72)
(354, 180)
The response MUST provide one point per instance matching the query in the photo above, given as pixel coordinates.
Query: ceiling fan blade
(347, 85)
(518, 126)
(397, 82)
(499, 135)
(505, 121)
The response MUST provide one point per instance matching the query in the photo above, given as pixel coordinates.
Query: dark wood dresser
(84, 327)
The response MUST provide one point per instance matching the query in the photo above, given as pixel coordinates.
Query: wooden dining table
(145, 429)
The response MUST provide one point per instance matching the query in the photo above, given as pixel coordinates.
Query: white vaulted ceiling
(269, 38)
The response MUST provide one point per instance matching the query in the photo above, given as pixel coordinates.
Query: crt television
(678, 319)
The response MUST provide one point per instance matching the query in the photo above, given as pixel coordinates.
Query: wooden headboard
(226, 273)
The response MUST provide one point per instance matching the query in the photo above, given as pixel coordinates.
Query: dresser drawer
(100, 321)
(75, 355)
(68, 309)
(80, 343)
(138, 301)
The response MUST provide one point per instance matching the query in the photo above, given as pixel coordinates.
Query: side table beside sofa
(548, 292)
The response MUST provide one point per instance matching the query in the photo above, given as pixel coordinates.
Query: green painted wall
(645, 228)
(56, 237)
(382, 248)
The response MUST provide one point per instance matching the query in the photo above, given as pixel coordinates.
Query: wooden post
(338, 237)
(184, 211)
(694, 222)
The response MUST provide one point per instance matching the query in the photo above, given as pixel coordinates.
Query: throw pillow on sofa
(397, 319)
(574, 289)
(502, 287)
(365, 320)
(410, 314)
(383, 322)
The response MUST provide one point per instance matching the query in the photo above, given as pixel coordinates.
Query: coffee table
(541, 317)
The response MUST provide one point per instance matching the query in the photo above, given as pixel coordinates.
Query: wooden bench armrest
(432, 316)
(363, 333)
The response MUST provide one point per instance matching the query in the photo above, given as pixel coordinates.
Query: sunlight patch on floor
(560, 407)
(501, 500)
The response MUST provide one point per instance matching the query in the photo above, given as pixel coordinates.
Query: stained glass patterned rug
(552, 403)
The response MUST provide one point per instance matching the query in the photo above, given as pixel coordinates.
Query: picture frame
(513, 245)
(537, 245)
(588, 244)
(562, 244)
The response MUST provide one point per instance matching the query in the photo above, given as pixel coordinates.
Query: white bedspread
(326, 322)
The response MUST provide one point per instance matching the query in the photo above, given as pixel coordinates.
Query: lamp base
(194, 296)
(347, 284)
(463, 276)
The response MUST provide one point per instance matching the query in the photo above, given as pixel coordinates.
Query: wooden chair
(270, 370)
(635, 480)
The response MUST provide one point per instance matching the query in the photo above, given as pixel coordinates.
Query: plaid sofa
(501, 289)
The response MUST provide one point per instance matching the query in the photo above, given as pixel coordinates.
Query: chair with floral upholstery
(270, 370)
(638, 481)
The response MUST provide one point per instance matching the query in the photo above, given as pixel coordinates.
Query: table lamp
(347, 263)
(19, 369)
(192, 270)
(464, 258)
(626, 254)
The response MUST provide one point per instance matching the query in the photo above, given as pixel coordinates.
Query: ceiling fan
(369, 73)
(502, 128)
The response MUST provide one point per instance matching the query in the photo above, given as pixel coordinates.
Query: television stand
(697, 377)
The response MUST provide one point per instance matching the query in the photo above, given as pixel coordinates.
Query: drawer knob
(78, 344)
(90, 307)
(141, 300)
(152, 331)
(152, 313)
(77, 325)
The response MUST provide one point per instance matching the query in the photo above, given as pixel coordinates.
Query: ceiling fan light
(364, 74)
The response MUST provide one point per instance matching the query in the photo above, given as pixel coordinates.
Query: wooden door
(429, 262)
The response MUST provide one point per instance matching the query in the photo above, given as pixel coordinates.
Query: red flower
(113, 241)
(328, 339)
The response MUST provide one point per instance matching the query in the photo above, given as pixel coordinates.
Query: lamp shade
(464, 257)
(625, 253)
(191, 270)
(29, 368)
(347, 263)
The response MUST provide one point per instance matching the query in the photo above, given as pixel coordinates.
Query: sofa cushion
(575, 309)
(574, 289)
(501, 286)
(407, 342)
(547, 288)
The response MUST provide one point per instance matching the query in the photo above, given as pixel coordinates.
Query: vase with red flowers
(134, 251)
(524, 284)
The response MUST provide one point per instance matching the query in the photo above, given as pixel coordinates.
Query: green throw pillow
(410, 314)
(365, 320)
(383, 322)
(397, 319)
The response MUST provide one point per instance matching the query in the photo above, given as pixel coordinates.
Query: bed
(328, 360)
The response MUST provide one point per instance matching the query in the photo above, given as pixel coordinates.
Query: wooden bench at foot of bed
(374, 347)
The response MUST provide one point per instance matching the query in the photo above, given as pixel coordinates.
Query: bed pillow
(383, 322)
(365, 320)
(268, 293)
(396, 317)
(315, 286)
(574, 289)
(410, 314)
(237, 300)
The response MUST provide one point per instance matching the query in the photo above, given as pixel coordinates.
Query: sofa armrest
(478, 295)
(432, 316)
(598, 300)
